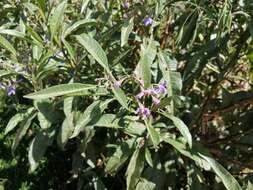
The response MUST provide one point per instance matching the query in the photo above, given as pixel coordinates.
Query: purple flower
(126, 5)
(148, 21)
(143, 111)
(11, 90)
(117, 84)
(146, 112)
(149, 92)
(162, 88)
(156, 101)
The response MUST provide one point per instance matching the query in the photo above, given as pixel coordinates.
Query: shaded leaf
(228, 180)
(13, 122)
(144, 184)
(148, 157)
(134, 169)
(7, 45)
(120, 156)
(120, 96)
(23, 129)
(181, 127)
(154, 135)
(126, 30)
(38, 148)
(64, 133)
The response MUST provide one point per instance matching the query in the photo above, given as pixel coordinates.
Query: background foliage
(147, 94)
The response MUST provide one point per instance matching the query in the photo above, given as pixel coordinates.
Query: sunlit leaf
(60, 90)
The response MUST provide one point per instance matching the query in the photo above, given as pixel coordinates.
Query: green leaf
(154, 135)
(91, 112)
(12, 33)
(148, 157)
(38, 148)
(13, 122)
(249, 186)
(134, 169)
(173, 78)
(188, 30)
(69, 49)
(120, 96)
(60, 90)
(126, 30)
(4, 73)
(120, 156)
(143, 69)
(190, 153)
(68, 110)
(7, 45)
(144, 184)
(47, 115)
(34, 35)
(23, 129)
(77, 25)
(64, 133)
(42, 5)
(107, 120)
(181, 127)
(228, 180)
(135, 128)
(93, 47)
(56, 18)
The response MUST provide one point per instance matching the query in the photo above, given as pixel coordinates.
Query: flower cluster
(148, 21)
(126, 5)
(10, 88)
(162, 88)
(143, 111)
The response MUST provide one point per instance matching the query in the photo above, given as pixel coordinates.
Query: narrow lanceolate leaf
(108, 120)
(154, 135)
(56, 18)
(60, 90)
(228, 180)
(64, 133)
(186, 151)
(148, 157)
(120, 96)
(181, 127)
(144, 184)
(13, 122)
(4, 73)
(12, 33)
(93, 47)
(68, 109)
(126, 30)
(90, 113)
(38, 148)
(143, 69)
(119, 157)
(77, 25)
(7, 45)
(134, 169)
(22, 130)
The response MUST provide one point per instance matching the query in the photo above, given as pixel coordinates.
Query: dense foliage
(138, 94)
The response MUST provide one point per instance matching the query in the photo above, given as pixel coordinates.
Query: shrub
(128, 95)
